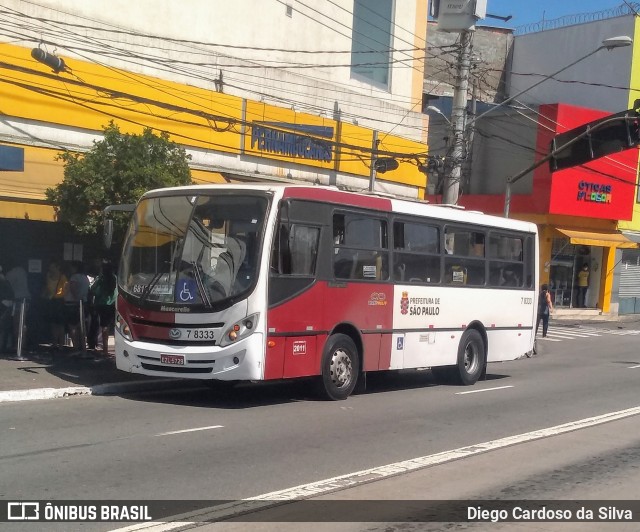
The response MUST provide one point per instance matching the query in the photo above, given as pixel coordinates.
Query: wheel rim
(471, 357)
(341, 368)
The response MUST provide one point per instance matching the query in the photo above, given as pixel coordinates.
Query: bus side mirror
(107, 234)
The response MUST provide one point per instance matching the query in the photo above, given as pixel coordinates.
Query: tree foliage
(117, 170)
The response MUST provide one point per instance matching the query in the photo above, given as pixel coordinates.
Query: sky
(526, 12)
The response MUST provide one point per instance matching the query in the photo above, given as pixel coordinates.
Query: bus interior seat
(229, 263)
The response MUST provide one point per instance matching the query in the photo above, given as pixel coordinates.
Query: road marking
(189, 430)
(485, 390)
(350, 480)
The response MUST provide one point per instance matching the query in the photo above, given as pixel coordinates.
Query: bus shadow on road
(412, 379)
(241, 396)
(260, 394)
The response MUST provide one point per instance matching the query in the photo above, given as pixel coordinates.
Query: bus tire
(471, 358)
(340, 366)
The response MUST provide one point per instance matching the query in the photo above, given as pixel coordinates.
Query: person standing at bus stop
(103, 293)
(545, 307)
(583, 284)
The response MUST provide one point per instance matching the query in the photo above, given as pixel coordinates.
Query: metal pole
(83, 345)
(507, 199)
(21, 329)
(458, 120)
(374, 156)
(468, 160)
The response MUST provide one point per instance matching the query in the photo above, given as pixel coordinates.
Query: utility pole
(374, 156)
(458, 120)
(470, 132)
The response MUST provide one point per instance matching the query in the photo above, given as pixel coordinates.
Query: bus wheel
(471, 358)
(339, 367)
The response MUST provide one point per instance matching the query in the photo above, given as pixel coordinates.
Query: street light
(609, 44)
(438, 111)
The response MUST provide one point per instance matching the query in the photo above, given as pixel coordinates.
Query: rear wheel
(340, 364)
(471, 358)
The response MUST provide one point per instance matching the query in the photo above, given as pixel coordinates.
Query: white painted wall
(234, 36)
(540, 54)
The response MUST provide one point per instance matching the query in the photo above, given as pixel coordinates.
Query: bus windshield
(198, 249)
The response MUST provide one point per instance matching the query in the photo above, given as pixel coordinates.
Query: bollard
(20, 329)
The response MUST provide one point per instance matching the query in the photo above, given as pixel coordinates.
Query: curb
(36, 394)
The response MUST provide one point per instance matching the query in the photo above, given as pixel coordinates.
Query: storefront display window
(566, 261)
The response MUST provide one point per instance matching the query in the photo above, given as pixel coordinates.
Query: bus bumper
(243, 360)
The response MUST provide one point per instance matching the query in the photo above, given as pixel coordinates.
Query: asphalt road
(258, 439)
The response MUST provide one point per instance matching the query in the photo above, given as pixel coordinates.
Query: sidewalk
(43, 374)
(46, 375)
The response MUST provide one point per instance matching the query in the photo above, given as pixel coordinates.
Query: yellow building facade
(57, 108)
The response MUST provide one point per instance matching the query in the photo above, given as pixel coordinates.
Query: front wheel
(340, 366)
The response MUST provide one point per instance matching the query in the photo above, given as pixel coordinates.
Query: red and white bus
(261, 282)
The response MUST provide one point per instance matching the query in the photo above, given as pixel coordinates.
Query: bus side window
(456, 275)
(296, 250)
(280, 255)
(360, 247)
(416, 252)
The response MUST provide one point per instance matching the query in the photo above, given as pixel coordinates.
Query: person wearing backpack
(103, 293)
(545, 307)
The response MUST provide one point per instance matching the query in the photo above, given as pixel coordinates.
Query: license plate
(177, 360)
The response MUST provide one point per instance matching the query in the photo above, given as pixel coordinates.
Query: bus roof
(385, 202)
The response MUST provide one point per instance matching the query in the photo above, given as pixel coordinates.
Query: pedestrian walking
(545, 307)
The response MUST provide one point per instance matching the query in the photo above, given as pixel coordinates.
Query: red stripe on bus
(336, 196)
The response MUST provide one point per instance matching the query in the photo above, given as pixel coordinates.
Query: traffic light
(607, 135)
(385, 164)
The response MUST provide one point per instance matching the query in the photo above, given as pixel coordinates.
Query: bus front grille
(175, 369)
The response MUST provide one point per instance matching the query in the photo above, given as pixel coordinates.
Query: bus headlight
(240, 329)
(123, 327)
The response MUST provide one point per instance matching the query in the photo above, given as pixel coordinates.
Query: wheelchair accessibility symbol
(186, 290)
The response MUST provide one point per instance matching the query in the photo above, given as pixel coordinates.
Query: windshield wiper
(201, 288)
(149, 287)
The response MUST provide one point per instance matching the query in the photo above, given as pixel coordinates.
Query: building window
(371, 40)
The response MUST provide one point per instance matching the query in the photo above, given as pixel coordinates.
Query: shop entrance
(566, 262)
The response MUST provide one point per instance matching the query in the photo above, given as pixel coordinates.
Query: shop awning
(594, 238)
(632, 235)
